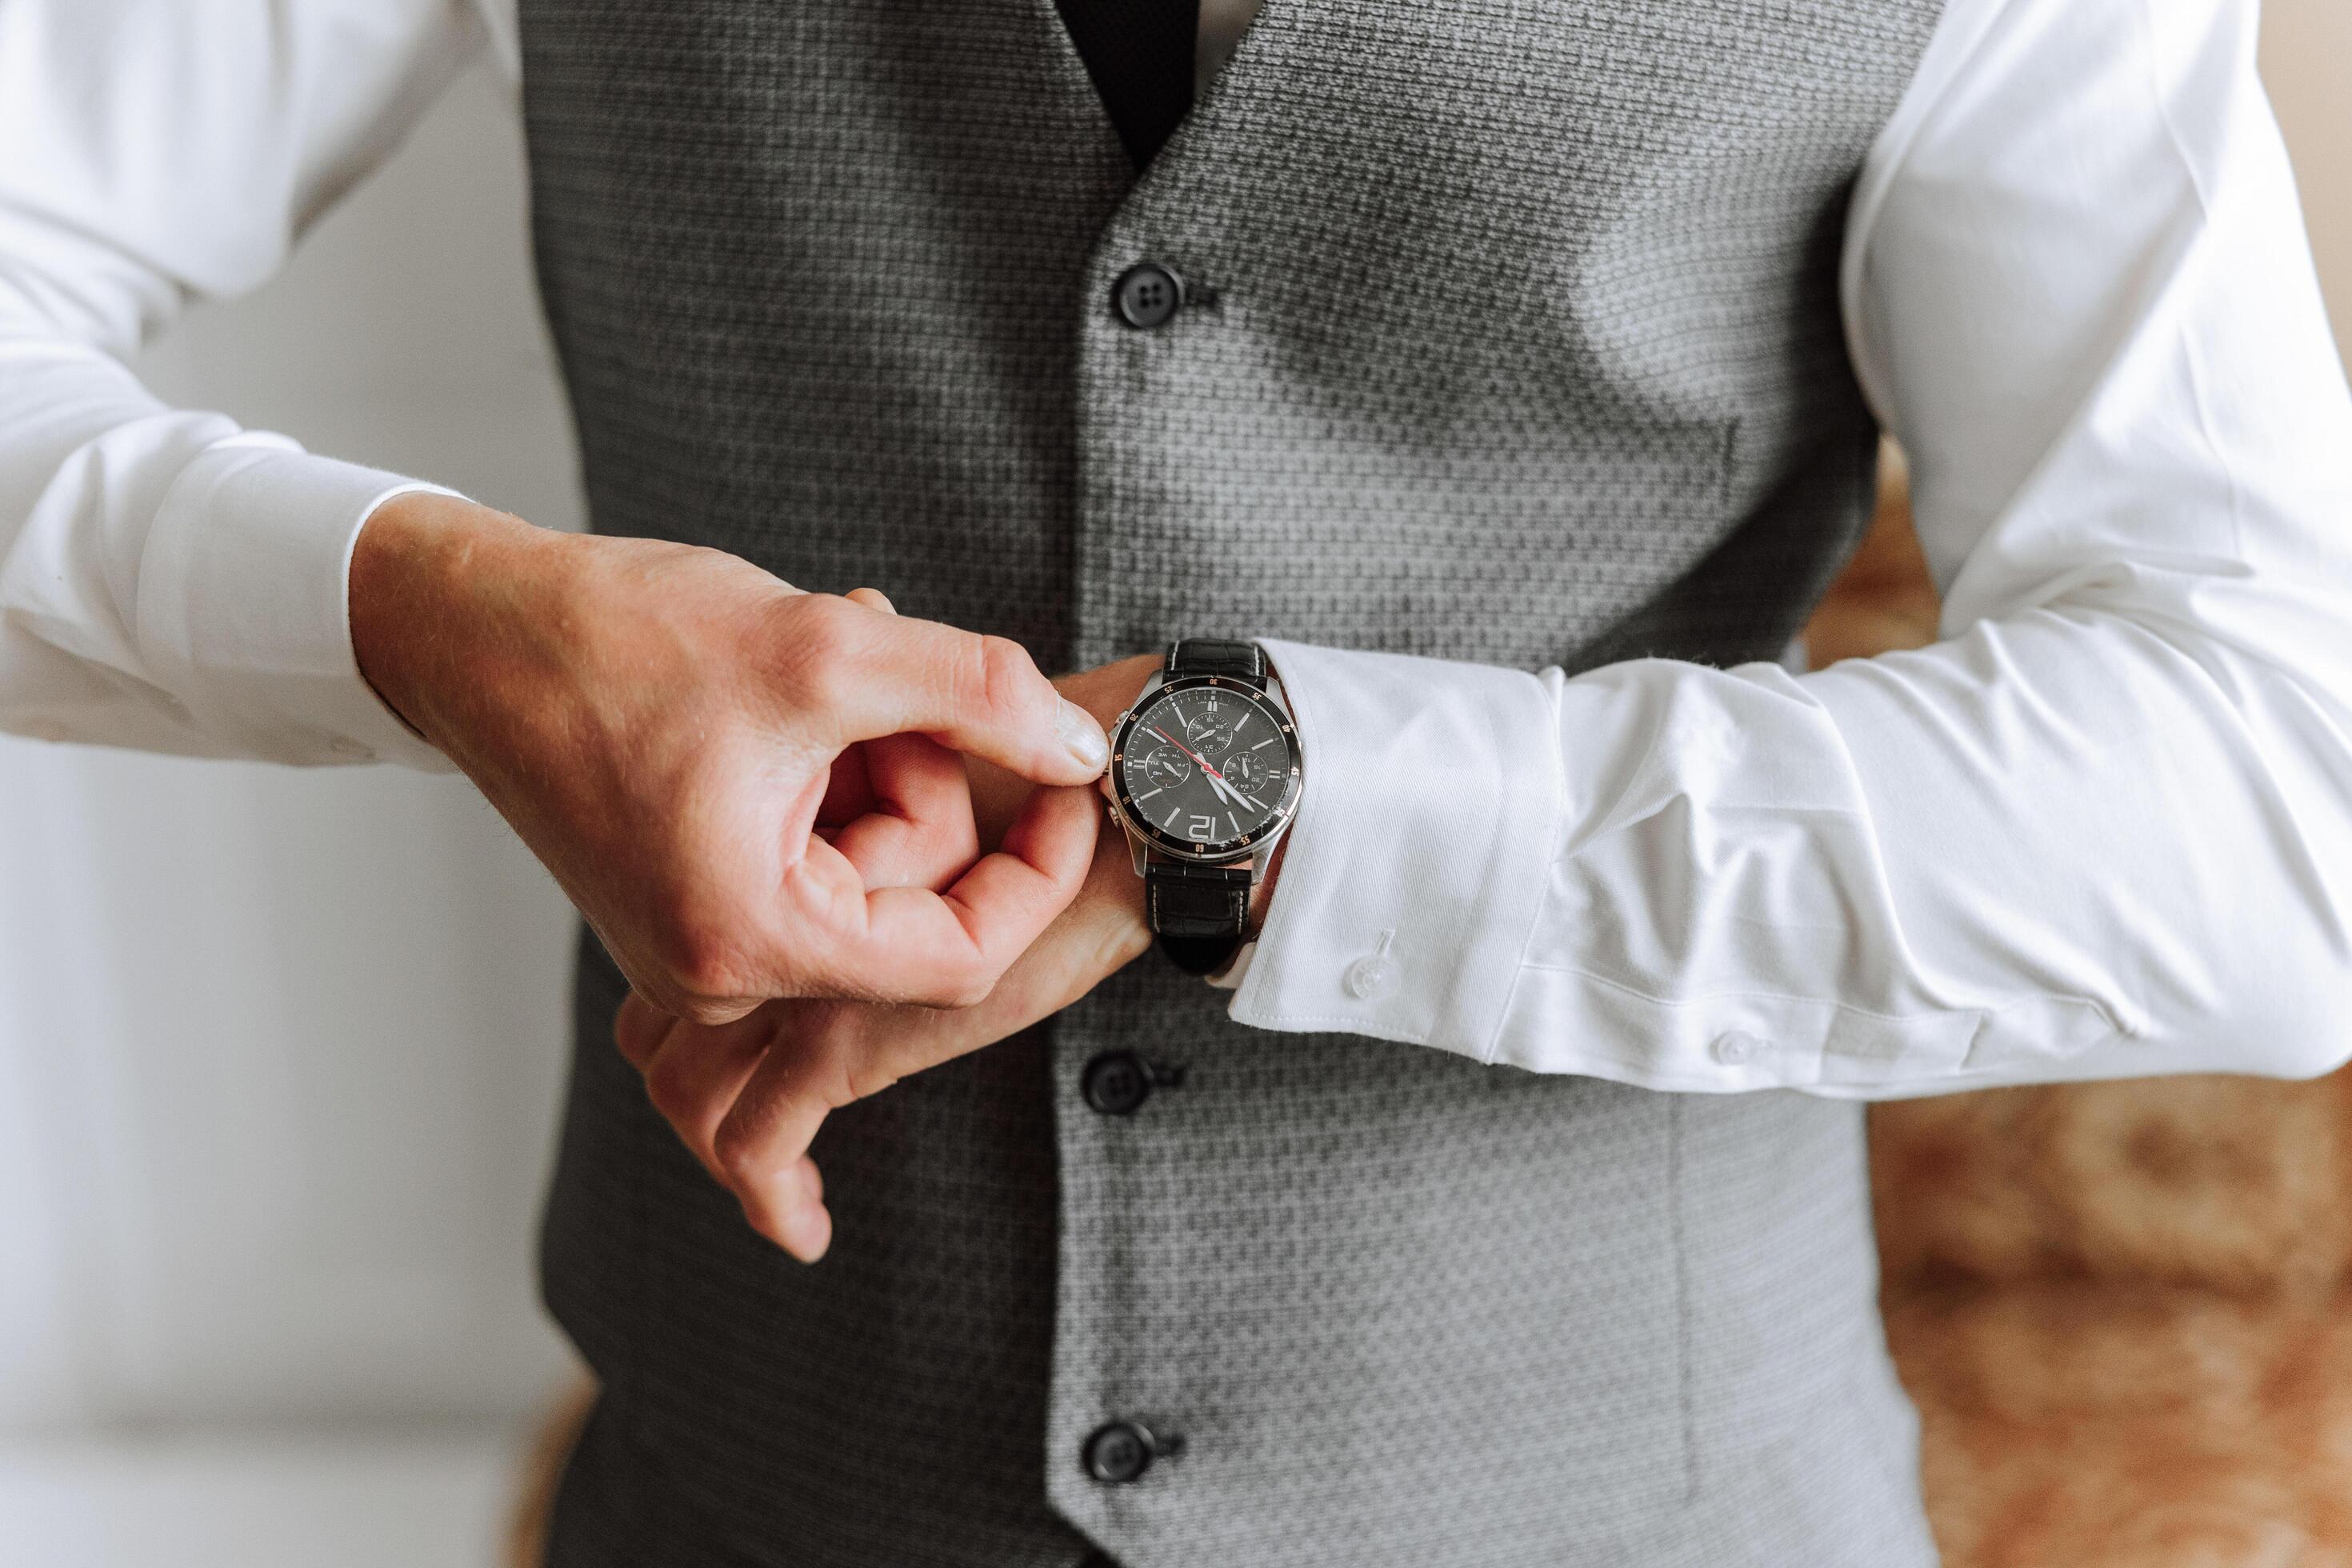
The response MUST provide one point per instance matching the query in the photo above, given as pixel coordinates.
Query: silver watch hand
(1208, 771)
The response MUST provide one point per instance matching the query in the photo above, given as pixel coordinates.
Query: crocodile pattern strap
(1197, 911)
(1244, 661)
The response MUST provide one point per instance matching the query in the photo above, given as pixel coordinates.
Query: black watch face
(1206, 768)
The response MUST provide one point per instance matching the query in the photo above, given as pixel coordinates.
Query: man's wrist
(418, 564)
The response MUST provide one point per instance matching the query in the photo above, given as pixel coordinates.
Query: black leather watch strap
(1198, 912)
(1242, 661)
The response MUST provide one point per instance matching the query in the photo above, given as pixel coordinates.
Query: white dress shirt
(2103, 829)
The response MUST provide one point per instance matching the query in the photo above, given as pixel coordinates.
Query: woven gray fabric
(1523, 348)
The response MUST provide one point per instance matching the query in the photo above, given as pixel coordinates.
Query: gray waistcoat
(1524, 349)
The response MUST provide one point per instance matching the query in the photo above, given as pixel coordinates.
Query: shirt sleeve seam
(1882, 169)
(2192, 361)
(1555, 778)
(1984, 1010)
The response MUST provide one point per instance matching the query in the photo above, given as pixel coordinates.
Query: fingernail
(1081, 736)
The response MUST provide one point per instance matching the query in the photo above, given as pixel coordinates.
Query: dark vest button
(1115, 1083)
(1117, 1453)
(1146, 295)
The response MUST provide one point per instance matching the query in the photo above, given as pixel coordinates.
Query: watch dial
(1207, 765)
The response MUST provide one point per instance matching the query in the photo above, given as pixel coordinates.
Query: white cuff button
(1738, 1048)
(1372, 977)
(1369, 979)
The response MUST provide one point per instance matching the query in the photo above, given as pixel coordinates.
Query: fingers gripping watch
(1204, 777)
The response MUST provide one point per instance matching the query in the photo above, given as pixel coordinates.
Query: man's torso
(1523, 348)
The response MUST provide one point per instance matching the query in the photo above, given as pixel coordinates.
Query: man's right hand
(750, 792)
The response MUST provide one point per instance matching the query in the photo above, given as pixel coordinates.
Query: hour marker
(1237, 827)
(1142, 798)
(1173, 813)
(1262, 745)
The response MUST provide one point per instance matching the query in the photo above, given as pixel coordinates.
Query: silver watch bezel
(1146, 835)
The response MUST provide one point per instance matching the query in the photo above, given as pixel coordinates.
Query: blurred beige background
(2125, 1309)
(2307, 60)
(279, 1051)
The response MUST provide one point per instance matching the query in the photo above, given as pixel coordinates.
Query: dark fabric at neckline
(1140, 54)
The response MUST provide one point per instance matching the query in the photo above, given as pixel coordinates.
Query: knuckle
(949, 837)
(700, 952)
(710, 1011)
(1004, 680)
(967, 985)
(703, 967)
(670, 1086)
(1118, 943)
(819, 643)
(737, 1150)
(970, 994)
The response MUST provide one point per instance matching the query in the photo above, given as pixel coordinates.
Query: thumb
(981, 695)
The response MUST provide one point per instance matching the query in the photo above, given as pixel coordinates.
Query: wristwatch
(1204, 776)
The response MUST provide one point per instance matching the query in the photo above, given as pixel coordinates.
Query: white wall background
(279, 1052)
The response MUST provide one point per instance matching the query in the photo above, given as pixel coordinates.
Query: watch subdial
(1167, 767)
(1252, 773)
(1211, 734)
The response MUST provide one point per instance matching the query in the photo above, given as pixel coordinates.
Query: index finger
(950, 949)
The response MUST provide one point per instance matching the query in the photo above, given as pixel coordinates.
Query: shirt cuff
(1431, 799)
(245, 608)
